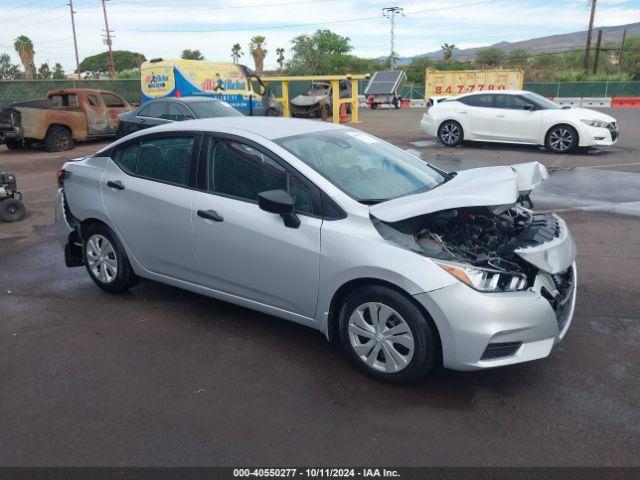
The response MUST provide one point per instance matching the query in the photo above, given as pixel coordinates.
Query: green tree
(8, 70)
(322, 53)
(123, 60)
(490, 57)
(236, 52)
(256, 49)
(447, 51)
(280, 58)
(58, 72)
(24, 47)
(44, 72)
(192, 55)
(517, 58)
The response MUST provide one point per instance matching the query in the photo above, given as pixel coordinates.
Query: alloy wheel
(380, 337)
(561, 139)
(450, 133)
(101, 257)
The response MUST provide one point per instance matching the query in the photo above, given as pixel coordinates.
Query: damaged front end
(500, 247)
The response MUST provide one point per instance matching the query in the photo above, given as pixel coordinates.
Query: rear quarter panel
(82, 188)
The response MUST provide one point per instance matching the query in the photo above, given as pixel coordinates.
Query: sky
(163, 28)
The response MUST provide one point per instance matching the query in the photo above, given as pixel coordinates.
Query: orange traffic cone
(343, 113)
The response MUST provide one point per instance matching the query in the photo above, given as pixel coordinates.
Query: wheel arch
(561, 124)
(341, 294)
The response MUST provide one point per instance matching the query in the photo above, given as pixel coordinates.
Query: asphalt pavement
(160, 376)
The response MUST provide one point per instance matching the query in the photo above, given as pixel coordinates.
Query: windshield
(540, 101)
(215, 108)
(363, 166)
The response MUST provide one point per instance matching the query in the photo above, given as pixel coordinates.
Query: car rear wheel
(562, 139)
(106, 260)
(58, 139)
(450, 133)
(387, 336)
(12, 210)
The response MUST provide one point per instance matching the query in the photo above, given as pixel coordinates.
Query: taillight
(60, 177)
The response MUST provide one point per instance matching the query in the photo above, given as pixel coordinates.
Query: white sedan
(516, 116)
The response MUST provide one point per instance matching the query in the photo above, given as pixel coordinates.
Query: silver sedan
(410, 267)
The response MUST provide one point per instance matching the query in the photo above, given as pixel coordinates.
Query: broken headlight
(484, 279)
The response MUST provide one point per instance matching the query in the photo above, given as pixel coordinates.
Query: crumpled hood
(307, 100)
(487, 186)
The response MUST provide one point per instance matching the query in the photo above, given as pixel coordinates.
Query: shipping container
(458, 82)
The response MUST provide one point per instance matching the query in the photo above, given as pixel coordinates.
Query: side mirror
(280, 203)
(529, 107)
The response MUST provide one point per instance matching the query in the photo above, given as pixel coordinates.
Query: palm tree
(24, 47)
(280, 60)
(236, 52)
(258, 53)
(447, 51)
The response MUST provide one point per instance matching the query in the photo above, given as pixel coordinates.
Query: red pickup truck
(66, 116)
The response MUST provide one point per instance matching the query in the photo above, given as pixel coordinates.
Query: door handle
(210, 215)
(463, 111)
(500, 115)
(118, 185)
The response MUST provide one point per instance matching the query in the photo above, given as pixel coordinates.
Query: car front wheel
(562, 139)
(387, 336)
(106, 260)
(450, 133)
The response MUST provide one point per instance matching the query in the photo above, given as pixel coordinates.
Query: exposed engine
(482, 236)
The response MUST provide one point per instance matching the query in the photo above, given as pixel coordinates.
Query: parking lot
(161, 376)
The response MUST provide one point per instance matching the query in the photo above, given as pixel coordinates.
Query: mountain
(552, 43)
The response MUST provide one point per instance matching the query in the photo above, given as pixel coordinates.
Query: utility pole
(75, 41)
(597, 59)
(112, 67)
(391, 12)
(588, 45)
(624, 37)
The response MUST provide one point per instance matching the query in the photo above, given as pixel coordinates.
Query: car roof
(267, 127)
(500, 92)
(185, 99)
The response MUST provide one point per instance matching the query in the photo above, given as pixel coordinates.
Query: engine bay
(482, 236)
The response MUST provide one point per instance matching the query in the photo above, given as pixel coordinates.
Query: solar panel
(385, 83)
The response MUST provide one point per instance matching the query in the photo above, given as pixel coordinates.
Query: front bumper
(468, 321)
(427, 124)
(598, 136)
(12, 132)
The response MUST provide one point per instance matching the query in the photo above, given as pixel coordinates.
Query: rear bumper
(11, 132)
(469, 321)
(427, 124)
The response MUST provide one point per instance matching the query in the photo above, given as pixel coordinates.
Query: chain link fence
(12, 91)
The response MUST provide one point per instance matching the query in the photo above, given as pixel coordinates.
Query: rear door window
(127, 157)
(154, 110)
(177, 112)
(165, 159)
(478, 100)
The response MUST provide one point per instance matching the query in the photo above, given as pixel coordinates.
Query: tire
(58, 139)
(106, 260)
(414, 358)
(450, 133)
(561, 139)
(13, 144)
(12, 210)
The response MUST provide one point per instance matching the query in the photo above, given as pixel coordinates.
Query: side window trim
(202, 174)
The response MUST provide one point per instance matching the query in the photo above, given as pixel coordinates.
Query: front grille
(562, 299)
(9, 118)
(499, 350)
